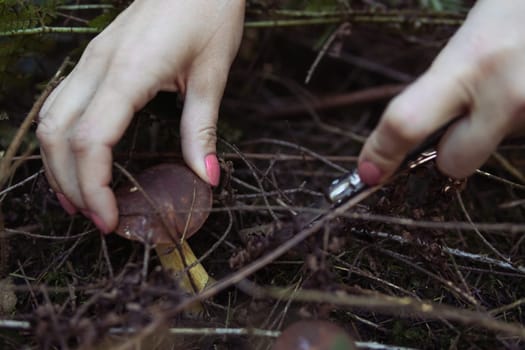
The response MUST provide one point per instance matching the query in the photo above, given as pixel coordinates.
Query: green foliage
(318, 5)
(19, 53)
(321, 5)
(104, 19)
(21, 14)
(443, 5)
(16, 15)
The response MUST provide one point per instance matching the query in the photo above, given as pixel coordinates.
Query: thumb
(422, 108)
(199, 123)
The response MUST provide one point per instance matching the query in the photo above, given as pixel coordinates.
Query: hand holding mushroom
(153, 45)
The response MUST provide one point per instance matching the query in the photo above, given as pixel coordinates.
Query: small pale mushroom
(183, 202)
(314, 335)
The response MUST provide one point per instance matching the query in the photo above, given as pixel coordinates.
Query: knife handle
(428, 144)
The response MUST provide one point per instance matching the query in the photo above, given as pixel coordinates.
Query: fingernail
(99, 223)
(66, 204)
(213, 169)
(369, 173)
(95, 219)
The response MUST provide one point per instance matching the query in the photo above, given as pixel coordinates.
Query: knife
(350, 184)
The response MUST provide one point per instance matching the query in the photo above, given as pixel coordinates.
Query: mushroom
(183, 202)
(314, 335)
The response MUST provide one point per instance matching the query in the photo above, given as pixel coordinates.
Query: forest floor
(422, 262)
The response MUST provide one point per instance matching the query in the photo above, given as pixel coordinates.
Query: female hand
(480, 74)
(173, 45)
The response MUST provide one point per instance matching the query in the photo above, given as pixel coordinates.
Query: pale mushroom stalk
(171, 259)
(171, 205)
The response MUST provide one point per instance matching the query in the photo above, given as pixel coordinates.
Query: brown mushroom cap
(177, 193)
(314, 335)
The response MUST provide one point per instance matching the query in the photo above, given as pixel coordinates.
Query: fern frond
(22, 14)
(19, 15)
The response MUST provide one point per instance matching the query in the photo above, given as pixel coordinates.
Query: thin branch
(21, 183)
(51, 30)
(288, 107)
(10, 231)
(299, 148)
(5, 162)
(506, 227)
(253, 332)
(509, 167)
(255, 176)
(398, 306)
(480, 258)
(85, 7)
(446, 283)
(105, 252)
(343, 28)
(500, 179)
(478, 233)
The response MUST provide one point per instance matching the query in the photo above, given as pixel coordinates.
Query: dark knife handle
(428, 144)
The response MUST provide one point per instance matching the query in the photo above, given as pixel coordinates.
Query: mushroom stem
(171, 259)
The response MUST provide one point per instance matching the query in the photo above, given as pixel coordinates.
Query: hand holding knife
(350, 184)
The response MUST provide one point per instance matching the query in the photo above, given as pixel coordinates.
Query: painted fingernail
(99, 223)
(369, 173)
(66, 204)
(213, 169)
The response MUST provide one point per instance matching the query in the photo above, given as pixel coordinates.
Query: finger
(51, 98)
(99, 128)
(199, 121)
(60, 112)
(422, 108)
(52, 133)
(470, 141)
(66, 204)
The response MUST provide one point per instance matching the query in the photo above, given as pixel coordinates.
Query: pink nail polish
(99, 223)
(66, 204)
(370, 173)
(213, 169)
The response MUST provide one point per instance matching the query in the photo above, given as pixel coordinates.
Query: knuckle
(81, 140)
(48, 132)
(515, 99)
(126, 65)
(95, 51)
(208, 135)
(135, 89)
(208, 132)
(402, 121)
(381, 155)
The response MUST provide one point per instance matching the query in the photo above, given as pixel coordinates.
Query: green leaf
(104, 19)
